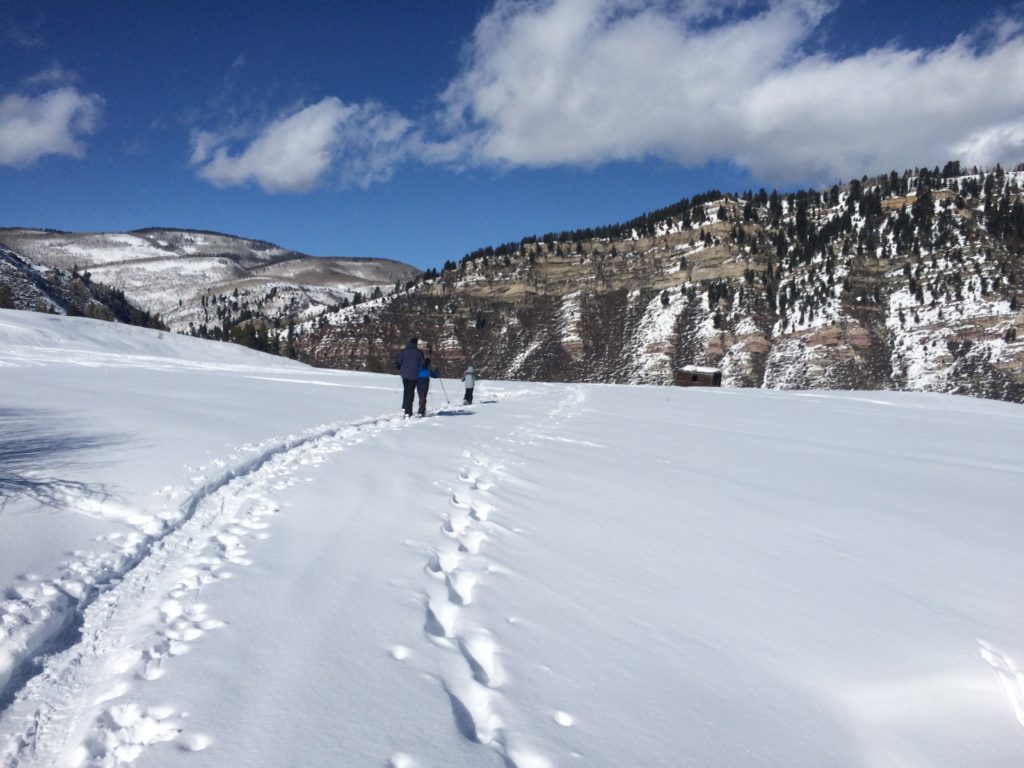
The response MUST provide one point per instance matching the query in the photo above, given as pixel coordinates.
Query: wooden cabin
(698, 376)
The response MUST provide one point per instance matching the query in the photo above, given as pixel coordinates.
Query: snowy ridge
(196, 280)
(64, 250)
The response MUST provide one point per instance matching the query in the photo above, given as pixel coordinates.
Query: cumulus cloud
(301, 149)
(52, 123)
(585, 82)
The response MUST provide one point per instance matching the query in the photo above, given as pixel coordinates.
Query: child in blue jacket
(423, 382)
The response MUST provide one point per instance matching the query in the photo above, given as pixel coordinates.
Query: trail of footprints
(472, 676)
(123, 730)
(131, 632)
(474, 679)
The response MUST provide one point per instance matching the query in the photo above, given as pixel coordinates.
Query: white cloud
(356, 143)
(52, 123)
(54, 75)
(584, 82)
(994, 144)
(203, 145)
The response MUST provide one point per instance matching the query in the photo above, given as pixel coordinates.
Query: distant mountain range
(204, 283)
(905, 281)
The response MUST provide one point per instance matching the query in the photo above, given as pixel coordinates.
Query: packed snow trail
(137, 619)
(46, 616)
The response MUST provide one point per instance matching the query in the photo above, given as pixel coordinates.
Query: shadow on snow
(38, 448)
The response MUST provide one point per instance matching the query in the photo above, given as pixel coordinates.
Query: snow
(922, 330)
(569, 315)
(174, 273)
(651, 352)
(699, 369)
(214, 557)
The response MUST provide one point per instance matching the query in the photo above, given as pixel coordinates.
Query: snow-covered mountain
(26, 285)
(211, 557)
(205, 280)
(906, 281)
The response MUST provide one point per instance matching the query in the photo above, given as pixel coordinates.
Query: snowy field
(212, 557)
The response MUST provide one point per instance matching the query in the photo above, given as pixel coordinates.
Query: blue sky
(421, 130)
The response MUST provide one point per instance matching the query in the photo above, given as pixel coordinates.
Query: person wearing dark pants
(408, 362)
(469, 379)
(423, 385)
(408, 395)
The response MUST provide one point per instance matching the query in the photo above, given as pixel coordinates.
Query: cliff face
(909, 283)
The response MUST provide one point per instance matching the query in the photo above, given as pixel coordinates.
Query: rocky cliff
(908, 281)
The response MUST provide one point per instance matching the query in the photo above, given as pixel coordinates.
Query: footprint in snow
(441, 618)
(194, 742)
(470, 541)
(457, 500)
(480, 510)
(122, 733)
(472, 706)
(456, 525)
(444, 562)
(460, 586)
(481, 654)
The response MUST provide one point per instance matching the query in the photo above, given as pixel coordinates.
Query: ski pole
(444, 390)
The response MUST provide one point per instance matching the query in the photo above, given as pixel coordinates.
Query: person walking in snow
(469, 379)
(408, 362)
(423, 377)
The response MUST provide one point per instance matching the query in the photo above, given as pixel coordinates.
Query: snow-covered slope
(178, 274)
(890, 283)
(214, 557)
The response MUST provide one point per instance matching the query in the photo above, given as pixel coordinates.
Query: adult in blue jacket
(408, 363)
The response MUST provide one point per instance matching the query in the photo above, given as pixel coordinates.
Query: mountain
(904, 281)
(24, 285)
(206, 283)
